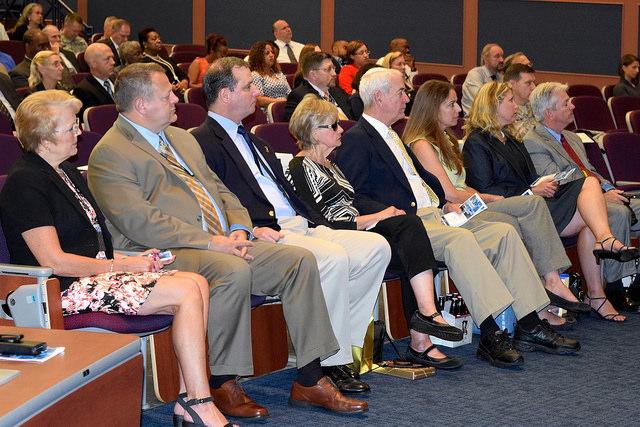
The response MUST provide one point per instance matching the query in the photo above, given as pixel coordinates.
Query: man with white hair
(289, 49)
(490, 69)
(488, 261)
(554, 149)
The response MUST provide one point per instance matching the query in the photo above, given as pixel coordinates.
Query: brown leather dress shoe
(232, 400)
(325, 395)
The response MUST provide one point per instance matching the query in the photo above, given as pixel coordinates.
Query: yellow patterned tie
(209, 212)
(435, 201)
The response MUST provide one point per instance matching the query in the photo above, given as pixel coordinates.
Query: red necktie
(574, 156)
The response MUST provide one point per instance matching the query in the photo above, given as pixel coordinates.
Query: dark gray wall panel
(243, 22)
(172, 18)
(566, 37)
(433, 27)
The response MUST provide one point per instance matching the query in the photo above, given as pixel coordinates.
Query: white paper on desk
(42, 357)
(470, 208)
(7, 375)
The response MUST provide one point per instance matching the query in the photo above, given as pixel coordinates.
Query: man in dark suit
(34, 42)
(96, 88)
(319, 79)
(351, 263)
(120, 32)
(9, 97)
(488, 261)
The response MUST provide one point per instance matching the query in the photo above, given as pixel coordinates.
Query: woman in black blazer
(50, 218)
(497, 163)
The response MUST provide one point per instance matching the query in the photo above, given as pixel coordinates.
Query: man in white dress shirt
(490, 69)
(289, 49)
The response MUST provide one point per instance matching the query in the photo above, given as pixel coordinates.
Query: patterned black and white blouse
(325, 189)
(275, 86)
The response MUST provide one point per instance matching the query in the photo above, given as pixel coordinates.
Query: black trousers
(411, 253)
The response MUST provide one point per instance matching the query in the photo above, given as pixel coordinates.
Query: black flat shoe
(574, 306)
(543, 338)
(424, 359)
(345, 379)
(498, 350)
(427, 325)
(624, 254)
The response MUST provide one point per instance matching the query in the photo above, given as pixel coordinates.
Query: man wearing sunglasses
(351, 263)
(319, 79)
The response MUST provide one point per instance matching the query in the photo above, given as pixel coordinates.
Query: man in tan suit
(487, 261)
(153, 184)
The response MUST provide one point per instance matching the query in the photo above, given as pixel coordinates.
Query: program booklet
(553, 177)
(470, 208)
(42, 357)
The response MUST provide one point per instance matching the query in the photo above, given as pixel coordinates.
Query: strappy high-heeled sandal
(178, 420)
(611, 317)
(624, 254)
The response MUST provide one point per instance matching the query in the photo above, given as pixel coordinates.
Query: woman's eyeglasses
(73, 129)
(332, 126)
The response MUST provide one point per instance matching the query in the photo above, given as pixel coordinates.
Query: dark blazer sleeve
(9, 92)
(356, 105)
(355, 158)
(342, 99)
(486, 172)
(293, 99)
(300, 178)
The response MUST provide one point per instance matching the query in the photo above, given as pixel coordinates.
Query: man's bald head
(99, 57)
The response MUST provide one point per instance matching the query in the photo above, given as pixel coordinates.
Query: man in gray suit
(152, 182)
(554, 149)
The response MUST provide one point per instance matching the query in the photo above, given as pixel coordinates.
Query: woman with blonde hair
(497, 164)
(396, 61)
(427, 133)
(46, 71)
(51, 219)
(322, 185)
(30, 19)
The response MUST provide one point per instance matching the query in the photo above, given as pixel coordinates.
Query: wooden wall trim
(470, 34)
(198, 21)
(83, 10)
(327, 24)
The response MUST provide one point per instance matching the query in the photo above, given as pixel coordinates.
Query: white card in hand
(470, 208)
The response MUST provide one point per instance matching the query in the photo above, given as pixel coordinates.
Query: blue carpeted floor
(600, 386)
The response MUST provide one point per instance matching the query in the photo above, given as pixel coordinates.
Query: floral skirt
(112, 293)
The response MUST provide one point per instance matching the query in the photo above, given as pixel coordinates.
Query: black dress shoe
(345, 379)
(498, 350)
(574, 306)
(620, 299)
(424, 359)
(426, 325)
(543, 338)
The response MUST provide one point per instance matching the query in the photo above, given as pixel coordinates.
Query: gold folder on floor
(410, 372)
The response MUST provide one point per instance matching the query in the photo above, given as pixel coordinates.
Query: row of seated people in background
(390, 192)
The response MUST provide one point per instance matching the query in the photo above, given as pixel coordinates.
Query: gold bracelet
(111, 267)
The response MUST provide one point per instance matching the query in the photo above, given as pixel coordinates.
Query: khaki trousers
(489, 264)
(282, 270)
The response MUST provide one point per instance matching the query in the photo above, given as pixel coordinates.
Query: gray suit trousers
(287, 271)
(530, 217)
(489, 264)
